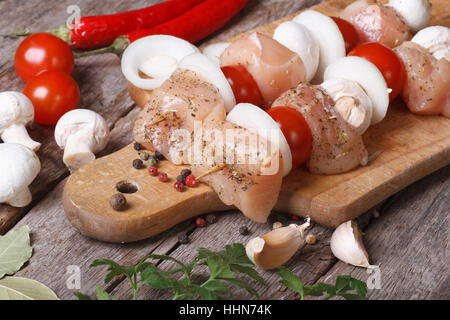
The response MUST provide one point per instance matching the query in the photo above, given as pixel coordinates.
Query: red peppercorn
(200, 222)
(179, 186)
(293, 217)
(153, 171)
(190, 180)
(162, 177)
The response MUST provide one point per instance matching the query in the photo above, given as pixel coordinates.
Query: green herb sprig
(228, 268)
(345, 286)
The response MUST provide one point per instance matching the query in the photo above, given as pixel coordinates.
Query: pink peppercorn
(162, 177)
(153, 171)
(200, 222)
(190, 181)
(179, 186)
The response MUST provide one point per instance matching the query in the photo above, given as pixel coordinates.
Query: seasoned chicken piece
(376, 23)
(337, 147)
(252, 175)
(180, 103)
(427, 89)
(274, 67)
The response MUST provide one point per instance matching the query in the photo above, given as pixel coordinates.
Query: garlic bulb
(347, 245)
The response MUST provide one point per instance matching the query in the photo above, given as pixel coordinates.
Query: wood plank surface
(411, 147)
(58, 245)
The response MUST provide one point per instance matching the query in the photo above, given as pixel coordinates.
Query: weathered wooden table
(407, 235)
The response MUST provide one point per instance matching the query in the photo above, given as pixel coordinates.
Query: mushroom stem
(276, 247)
(78, 151)
(21, 198)
(17, 133)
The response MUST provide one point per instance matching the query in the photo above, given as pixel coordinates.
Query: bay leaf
(17, 288)
(15, 250)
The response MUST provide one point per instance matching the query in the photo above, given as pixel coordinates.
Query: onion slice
(367, 75)
(255, 119)
(210, 72)
(157, 56)
(214, 51)
(298, 38)
(327, 35)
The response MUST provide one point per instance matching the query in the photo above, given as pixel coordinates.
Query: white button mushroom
(436, 39)
(351, 101)
(416, 13)
(299, 39)
(16, 111)
(367, 75)
(19, 166)
(81, 133)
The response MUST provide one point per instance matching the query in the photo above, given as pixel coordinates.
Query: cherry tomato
(42, 52)
(387, 62)
(296, 131)
(349, 33)
(244, 87)
(53, 93)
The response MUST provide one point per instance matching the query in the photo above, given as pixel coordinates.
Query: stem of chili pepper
(193, 26)
(93, 32)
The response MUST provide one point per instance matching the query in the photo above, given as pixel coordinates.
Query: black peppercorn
(183, 238)
(211, 218)
(138, 164)
(244, 230)
(185, 173)
(118, 202)
(159, 155)
(137, 146)
(181, 179)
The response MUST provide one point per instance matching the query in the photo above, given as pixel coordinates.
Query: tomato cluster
(45, 63)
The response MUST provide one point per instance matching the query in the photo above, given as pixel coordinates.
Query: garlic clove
(436, 39)
(351, 102)
(276, 247)
(347, 245)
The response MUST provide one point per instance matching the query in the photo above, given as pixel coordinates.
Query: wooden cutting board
(405, 148)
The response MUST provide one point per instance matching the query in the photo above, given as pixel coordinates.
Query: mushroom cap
(19, 166)
(15, 108)
(83, 122)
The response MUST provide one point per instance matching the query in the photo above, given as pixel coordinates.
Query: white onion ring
(255, 119)
(297, 38)
(327, 35)
(214, 51)
(154, 48)
(210, 72)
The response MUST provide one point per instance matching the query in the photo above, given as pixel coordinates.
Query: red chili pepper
(99, 31)
(197, 23)
(193, 26)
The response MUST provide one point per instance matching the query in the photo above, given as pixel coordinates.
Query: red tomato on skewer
(387, 61)
(296, 131)
(349, 33)
(244, 87)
